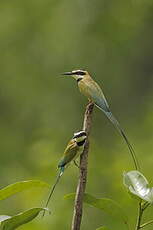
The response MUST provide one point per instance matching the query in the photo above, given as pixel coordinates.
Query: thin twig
(141, 209)
(147, 223)
(146, 205)
(78, 206)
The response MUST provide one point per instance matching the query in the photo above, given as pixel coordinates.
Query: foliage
(20, 186)
(107, 205)
(138, 185)
(13, 222)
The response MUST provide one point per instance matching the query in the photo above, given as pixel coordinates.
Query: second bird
(93, 92)
(73, 150)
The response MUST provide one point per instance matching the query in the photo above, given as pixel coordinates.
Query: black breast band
(79, 79)
(81, 142)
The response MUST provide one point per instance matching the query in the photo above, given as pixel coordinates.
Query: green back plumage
(69, 153)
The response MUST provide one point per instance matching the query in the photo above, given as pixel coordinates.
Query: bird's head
(77, 74)
(80, 137)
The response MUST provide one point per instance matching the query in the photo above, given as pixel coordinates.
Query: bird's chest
(85, 88)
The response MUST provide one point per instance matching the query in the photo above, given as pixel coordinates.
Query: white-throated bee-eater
(93, 92)
(73, 150)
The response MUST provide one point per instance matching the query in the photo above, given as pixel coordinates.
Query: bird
(73, 150)
(89, 88)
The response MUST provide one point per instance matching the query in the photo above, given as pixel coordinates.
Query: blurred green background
(40, 110)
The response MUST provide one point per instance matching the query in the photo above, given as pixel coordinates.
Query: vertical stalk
(140, 212)
(78, 205)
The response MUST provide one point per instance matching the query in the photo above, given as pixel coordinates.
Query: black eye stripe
(80, 73)
(80, 134)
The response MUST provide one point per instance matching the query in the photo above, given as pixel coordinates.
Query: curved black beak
(67, 73)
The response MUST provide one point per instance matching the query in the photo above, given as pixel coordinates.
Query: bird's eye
(80, 73)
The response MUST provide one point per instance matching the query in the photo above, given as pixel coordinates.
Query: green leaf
(102, 228)
(20, 186)
(11, 223)
(107, 205)
(138, 185)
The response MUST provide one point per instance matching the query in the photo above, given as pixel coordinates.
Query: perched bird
(93, 92)
(73, 150)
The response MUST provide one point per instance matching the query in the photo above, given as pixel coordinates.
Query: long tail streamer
(53, 188)
(120, 130)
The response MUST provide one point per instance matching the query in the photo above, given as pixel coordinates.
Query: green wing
(69, 153)
(93, 91)
(98, 96)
